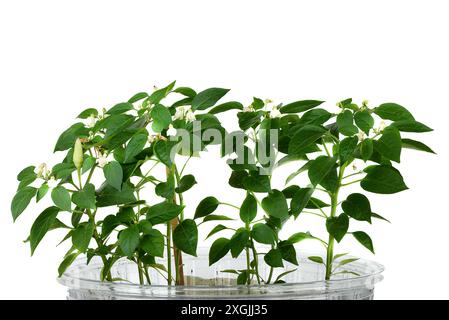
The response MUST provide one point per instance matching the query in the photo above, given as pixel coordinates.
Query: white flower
(179, 115)
(52, 183)
(41, 170)
(102, 160)
(382, 125)
(275, 113)
(90, 122)
(171, 131)
(354, 167)
(190, 116)
(249, 108)
(151, 138)
(361, 135)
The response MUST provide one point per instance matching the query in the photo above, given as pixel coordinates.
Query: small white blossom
(171, 131)
(41, 170)
(190, 116)
(365, 103)
(90, 122)
(52, 183)
(275, 113)
(249, 108)
(102, 160)
(361, 135)
(151, 138)
(179, 115)
(382, 125)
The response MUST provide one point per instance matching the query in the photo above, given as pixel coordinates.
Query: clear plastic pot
(204, 282)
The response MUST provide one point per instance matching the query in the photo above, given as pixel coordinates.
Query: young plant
(121, 148)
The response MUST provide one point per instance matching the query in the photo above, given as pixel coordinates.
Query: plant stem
(169, 276)
(139, 269)
(334, 206)
(230, 205)
(256, 261)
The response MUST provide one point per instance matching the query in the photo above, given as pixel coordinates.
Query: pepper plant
(138, 152)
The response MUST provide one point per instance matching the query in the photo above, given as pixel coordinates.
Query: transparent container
(204, 282)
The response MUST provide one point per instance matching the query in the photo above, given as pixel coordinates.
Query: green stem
(139, 269)
(256, 261)
(352, 182)
(230, 205)
(169, 275)
(334, 206)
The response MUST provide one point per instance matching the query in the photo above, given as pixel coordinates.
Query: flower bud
(78, 154)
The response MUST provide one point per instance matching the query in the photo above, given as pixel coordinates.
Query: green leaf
(21, 201)
(347, 148)
(275, 205)
(63, 170)
(218, 250)
(416, 145)
(213, 217)
(364, 239)
(300, 236)
(82, 235)
(393, 112)
(68, 260)
(389, 145)
(274, 258)
(345, 123)
(216, 229)
(109, 196)
(364, 121)
(206, 207)
(248, 119)
(293, 175)
(85, 198)
(231, 105)
(300, 106)
(67, 139)
(41, 226)
(110, 222)
(320, 168)
(87, 113)
(135, 145)
(366, 149)
(383, 179)
(61, 198)
(120, 108)
(358, 207)
(263, 234)
(161, 118)
(256, 182)
(165, 152)
(42, 191)
(186, 182)
(248, 209)
(163, 212)
(88, 163)
(315, 116)
(303, 138)
(153, 243)
(238, 242)
(128, 240)
(160, 94)
(236, 179)
(207, 98)
(186, 91)
(337, 226)
(316, 259)
(300, 200)
(288, 252)
(165, 190)
(26, 173)
(411, 126)
(113, 173)
(137, 97)
(185, 237)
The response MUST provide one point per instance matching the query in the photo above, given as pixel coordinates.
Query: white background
(59, 57)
